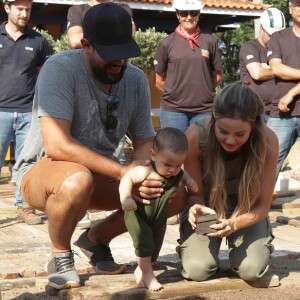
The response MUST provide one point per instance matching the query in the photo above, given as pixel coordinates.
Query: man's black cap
(108, 27)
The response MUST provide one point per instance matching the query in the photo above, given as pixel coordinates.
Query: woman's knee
(251, 270)
(199, 270)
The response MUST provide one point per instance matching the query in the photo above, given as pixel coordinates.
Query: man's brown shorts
(47, 175)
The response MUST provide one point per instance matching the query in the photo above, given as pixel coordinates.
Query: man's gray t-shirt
(66, 91)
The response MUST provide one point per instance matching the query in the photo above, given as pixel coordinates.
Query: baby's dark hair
(172, 139)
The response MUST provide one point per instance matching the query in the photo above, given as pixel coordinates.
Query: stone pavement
(24, 249)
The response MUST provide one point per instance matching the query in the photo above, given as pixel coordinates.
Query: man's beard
(102, 75)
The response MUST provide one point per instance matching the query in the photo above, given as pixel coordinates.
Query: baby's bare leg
(144, 274)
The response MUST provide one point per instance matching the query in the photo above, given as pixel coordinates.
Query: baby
(147, 223)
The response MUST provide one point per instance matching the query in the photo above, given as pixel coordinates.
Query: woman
(233, 157)
(187, 69)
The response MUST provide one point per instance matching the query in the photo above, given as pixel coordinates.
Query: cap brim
(116, 52)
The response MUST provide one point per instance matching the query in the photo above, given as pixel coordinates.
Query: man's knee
(79, 185)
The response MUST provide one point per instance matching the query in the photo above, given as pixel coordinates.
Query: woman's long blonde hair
(237, 101)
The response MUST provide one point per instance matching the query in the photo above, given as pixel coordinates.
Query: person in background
(232, 155)
(75, 17)
(85, 101)
(23, 51)
(253, 58)
(187, 68)
(283, 56)
(147, 223)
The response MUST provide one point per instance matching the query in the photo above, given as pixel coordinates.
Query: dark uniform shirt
(253, 51)
(189, 85)
(77, 12)
(285, 45)
(18, 65)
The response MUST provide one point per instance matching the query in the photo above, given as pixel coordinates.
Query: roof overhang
(168, 8)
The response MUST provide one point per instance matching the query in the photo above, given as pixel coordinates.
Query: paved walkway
(24, 249)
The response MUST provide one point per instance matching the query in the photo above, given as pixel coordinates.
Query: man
(22, 53)
(75, 17)
(85, 101)
(253, 58)
(74, 35)
(283, 55)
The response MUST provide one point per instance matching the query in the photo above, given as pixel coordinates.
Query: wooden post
(256, 21)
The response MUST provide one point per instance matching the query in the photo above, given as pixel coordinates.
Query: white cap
(272, 20)
(187, 4)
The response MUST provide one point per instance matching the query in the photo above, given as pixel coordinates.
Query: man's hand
(284, 102)
(150, 188)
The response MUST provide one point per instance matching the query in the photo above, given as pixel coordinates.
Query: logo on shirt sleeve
(205, 53)
(250, 56)
(269, 53)
(155, 62)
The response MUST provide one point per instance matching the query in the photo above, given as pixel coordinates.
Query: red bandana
(190, 38)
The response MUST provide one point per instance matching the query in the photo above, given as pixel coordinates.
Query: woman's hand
(196, 211)
(224, 228)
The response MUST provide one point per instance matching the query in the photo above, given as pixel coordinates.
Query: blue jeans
(180, 120)
(287, 131)
(13, 127)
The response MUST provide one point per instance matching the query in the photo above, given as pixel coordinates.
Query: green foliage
(148, 41)
(56, 44)
(61, 44)
(230, 43)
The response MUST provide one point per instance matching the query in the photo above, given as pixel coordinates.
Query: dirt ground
(286, 268)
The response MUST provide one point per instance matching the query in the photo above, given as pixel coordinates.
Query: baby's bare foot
(146, 280)
(139, 277)
(152, 283)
